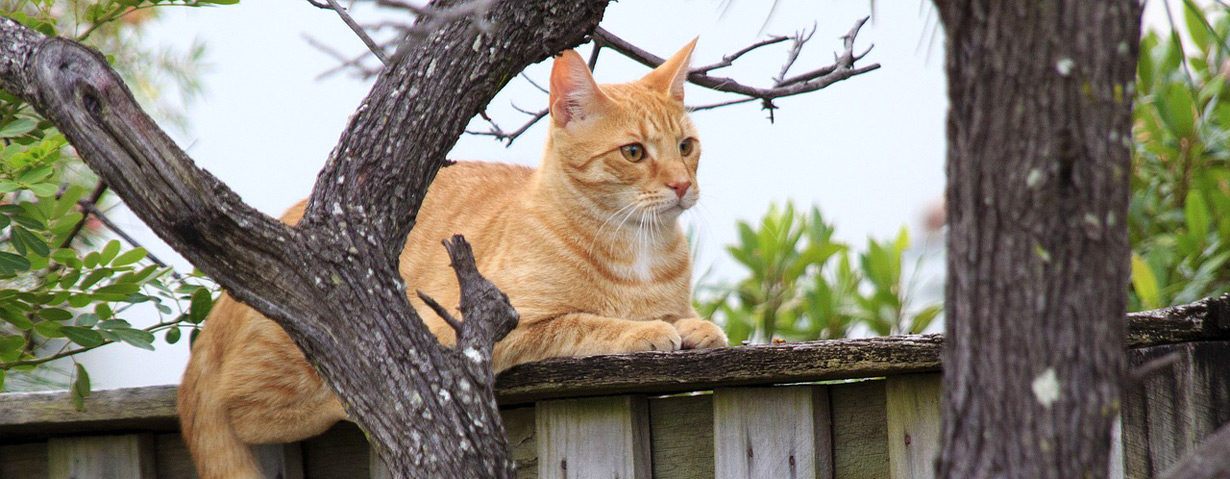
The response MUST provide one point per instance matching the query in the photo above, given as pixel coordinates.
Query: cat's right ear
(574, 93)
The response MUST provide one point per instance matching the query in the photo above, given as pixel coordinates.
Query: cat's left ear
(670, 75)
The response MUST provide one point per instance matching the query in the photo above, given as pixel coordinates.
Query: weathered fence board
(519, 426)
(860, 437)
(593, 437)
(577, 413)
(913, 418)
(682, 437)
(339, 453)
(22, 461)
(772, 432)
(171, 456)
(129, 456)
(1172, 410)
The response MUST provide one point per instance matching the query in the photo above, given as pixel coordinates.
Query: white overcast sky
(869, 151)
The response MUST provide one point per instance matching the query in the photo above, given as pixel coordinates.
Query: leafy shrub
(803, 285)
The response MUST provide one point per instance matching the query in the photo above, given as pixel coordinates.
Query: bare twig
(85, 215)
(367, 40)
(842, 68)
(440, 311)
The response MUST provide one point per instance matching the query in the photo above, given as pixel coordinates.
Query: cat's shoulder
(485, 171)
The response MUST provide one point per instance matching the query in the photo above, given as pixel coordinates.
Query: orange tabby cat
(587, 247)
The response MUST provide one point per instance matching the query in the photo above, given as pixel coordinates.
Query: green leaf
(80, 300)
(49, 329)
(173, 335)
(103, 311)
(68, 200)
(16, 318)
(1177, 109)
(11, 263)
(87, 320)
(81, 388)
(54, 314)
(28, 239)
(200, 305)
(17, 127)
(83, 336)
(70, 278)
(11, 346)
(94, 277)
(118, 289)
(67, 257)
(108, 252)
(129, 257)
(44, 189)
(36, 174)
(1197, 216)
(135, 337)
(1145, 283)
(1197, 26)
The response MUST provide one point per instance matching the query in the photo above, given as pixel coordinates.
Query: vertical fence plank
(377, 468)
(101, 457)
(593, 437)
(24, 461)
(1174, 409)
(771, 432)
(519, 428)
(682, 442)
(171, 457)
(859, 431)
(339, 453)
(912, 407)
(280, 461)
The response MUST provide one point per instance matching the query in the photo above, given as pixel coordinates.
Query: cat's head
(629, 148)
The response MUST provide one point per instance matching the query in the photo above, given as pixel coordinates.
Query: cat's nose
(680, 187)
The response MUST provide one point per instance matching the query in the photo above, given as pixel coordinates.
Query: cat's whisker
(612, 243)
(598, 235)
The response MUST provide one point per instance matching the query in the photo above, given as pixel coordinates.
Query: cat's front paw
(650, 336)
(700, 334)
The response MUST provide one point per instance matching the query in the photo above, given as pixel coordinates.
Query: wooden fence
(862, 408)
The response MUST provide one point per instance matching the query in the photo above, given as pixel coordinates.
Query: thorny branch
(842, 68)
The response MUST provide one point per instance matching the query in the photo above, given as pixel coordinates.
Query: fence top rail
(45, 414)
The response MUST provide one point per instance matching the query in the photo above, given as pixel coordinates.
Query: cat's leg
(582, 334)
(274, 395)
(699, 334)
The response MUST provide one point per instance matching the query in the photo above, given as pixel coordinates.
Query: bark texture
(1038, 162)
(332, 281)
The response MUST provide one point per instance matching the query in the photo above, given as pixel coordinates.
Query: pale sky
(869, 151)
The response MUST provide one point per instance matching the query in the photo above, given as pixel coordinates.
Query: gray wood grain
(1173, 410)
(594, 437)
(519, 424)
(860, 435)
(280, 461)
(24, 461)
(682, 442)
(101, 457)
(172, 457)
(769, 432)
(913, 420)
(339, 453)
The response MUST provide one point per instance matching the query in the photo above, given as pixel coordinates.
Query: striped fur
(587, 247)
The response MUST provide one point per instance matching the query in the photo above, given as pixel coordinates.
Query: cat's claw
(700, 334)
(652, 336)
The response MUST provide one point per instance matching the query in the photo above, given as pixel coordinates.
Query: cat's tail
(215, 446)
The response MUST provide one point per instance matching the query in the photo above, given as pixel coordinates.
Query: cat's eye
(686, 146)
(633, 152)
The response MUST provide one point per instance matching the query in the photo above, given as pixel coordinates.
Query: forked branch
(843, 67)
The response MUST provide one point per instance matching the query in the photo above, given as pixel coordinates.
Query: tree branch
(842, 68)
(331, 281)
(354, 27)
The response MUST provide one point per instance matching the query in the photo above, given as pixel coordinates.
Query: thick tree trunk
(1038, 253)
(332, 282)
